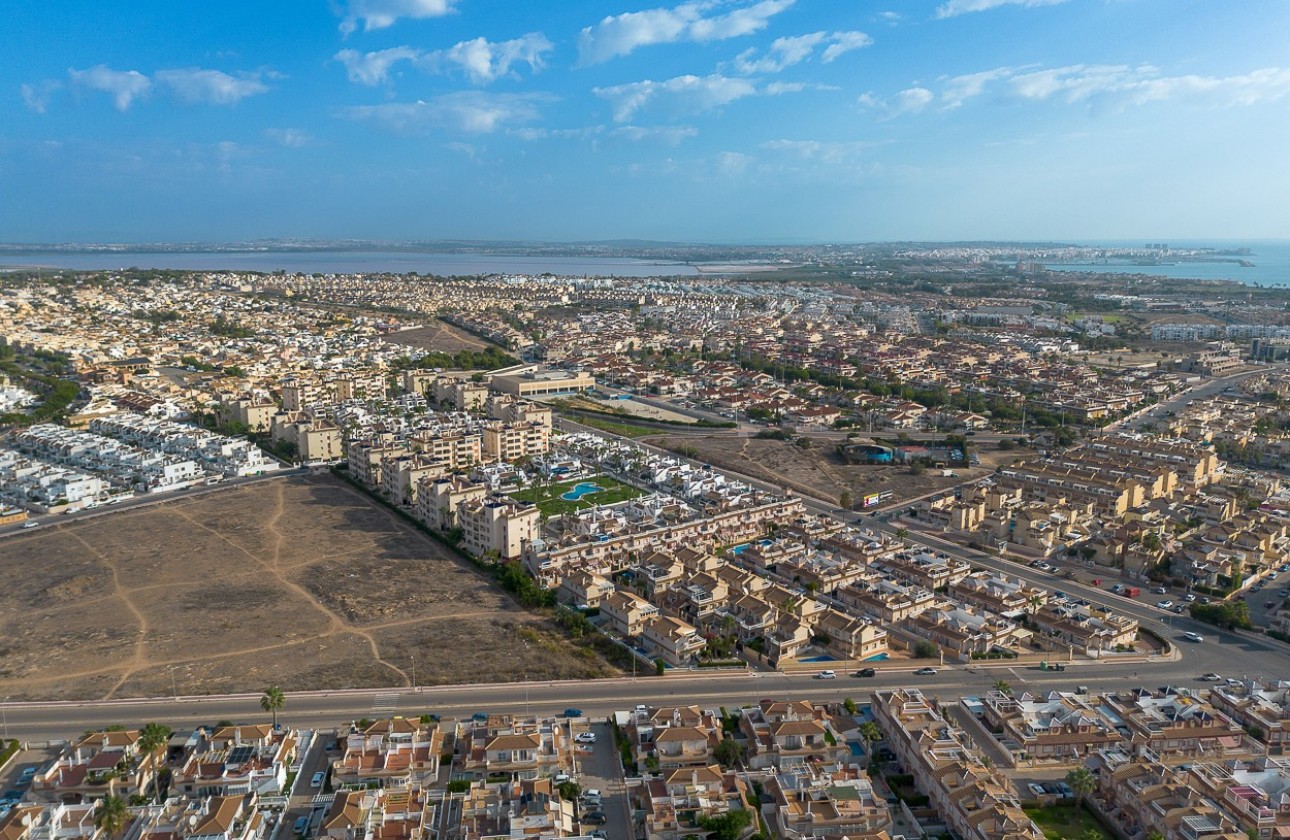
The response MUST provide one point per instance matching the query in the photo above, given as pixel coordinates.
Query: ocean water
(1271, 258)
(354, 262)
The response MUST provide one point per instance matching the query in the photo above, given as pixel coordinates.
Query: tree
(111, 815)
(1092, 834)
(1002, 686)
(1083, 782)
(727, 826)
(846, 500)
(870, 734)
(152, 738)
(902, 533)
(660, 667)
(1155, 835)
(273, 701)
(728, 752)
(925, 649)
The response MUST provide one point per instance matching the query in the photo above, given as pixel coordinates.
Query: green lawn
(624, 429)
(1064, 822)
(547, 497)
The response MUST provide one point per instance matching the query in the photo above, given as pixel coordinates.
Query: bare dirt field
(819, 471)
(298, 581)
(438, 337)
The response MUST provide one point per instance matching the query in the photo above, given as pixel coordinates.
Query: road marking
(1014, 673)
(385, 702)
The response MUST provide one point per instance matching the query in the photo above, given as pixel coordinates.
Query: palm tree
(272, 701)
(152, 738)
(1002, 686)
(111, 815)
(1083, 782)
(869, 733)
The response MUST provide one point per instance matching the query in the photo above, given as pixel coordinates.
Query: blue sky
(704, 121)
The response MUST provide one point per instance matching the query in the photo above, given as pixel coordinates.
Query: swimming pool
(582, 488)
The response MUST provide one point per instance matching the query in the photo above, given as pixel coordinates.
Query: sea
(351, 262)
(1271, 259)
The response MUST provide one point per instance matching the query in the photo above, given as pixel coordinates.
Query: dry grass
(300, 581)
(439, 337)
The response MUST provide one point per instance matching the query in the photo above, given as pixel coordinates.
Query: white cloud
(1142, 84)
(683, 94)
(890, 18)
(618, 35)
(196, 85)
(484, 61)
(124, 86)
(841, 43)
(959, 89)
(794, 49)
(36, 96)
(733, 163)
(470, 112)
(529, 133)
(782, 52)
(373, 68)
(962, 7)
(824, 151)
(672, 135)
(381, 14)
(292, 138)
(912, 100)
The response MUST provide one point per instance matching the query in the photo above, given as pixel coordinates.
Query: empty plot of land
(299, 581)
(438, 337)
(818, 470)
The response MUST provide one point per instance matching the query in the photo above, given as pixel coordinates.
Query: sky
(733, 121)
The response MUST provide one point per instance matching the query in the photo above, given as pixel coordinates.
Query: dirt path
(139, 656)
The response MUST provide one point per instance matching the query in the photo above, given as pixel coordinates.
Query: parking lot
(599, 769)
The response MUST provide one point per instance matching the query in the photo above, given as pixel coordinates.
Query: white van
(1193, 637)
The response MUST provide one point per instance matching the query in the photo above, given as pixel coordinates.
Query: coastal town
(1017, 484)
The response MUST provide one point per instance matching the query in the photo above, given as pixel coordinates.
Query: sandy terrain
(438, 337)
(300, 581)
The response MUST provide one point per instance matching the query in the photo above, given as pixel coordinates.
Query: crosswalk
(385, 703)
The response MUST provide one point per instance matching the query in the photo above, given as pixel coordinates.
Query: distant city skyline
(700, 121)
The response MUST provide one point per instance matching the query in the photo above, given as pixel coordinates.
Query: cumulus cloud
(672, 135)
(682, 94)
(959, 89)
(484, 61)
(213, 87)
(469, 112)
(381, 14)
(913, 100)
(124, 86)
(794, 49)
(618, 35)
(481, 60)
(36, 96)
(292, 138)
(954, 8)
(373, 68)
(823, 151)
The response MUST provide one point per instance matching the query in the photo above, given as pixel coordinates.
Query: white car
(31, 524)
(1189, 597)
(1193, 637)
(585, 737)
(1211, 677)
(1165, 604)
(826, 675)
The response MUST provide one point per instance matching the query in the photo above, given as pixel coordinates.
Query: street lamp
(4, 714)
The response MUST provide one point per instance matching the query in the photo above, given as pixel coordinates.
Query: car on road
(1233, 682)
(865, 672)
(571, 712)
(302, 823)
(826, 675)
(1189, 597)
(595, 818)
(1210, 677)
(1193, 637)
(32, 524)
(1165, 604)
(317, 780)
(1160, 590)
(1180, 609)
(585, 737)
(925, 672)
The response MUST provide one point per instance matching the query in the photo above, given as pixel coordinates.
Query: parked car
(25, 777)
(571, 712)
(1189, 597)
(595, 818)
(1165, 604)
(826, 675)
(317, 780)
(925, 672)
(1160, 590)
(865, 672)
(1210, 677)
(585, 737)
(302, 823)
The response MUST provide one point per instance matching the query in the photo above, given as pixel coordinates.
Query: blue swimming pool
(582, 488)
(739, 549)
(882, 657)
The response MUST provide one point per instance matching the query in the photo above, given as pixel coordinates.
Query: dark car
(595, 818)
(571, 712)
(865, 672)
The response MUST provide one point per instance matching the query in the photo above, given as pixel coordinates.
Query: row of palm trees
(113, 812)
